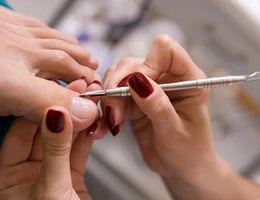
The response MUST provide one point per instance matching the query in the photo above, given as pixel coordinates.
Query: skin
(43, 165)
(173, 128)
(31, 54)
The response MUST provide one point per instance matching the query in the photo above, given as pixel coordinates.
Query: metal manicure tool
(184, 85)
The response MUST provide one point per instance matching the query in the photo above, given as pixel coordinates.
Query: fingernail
(97, 79)
(92, 128)
(96, 82)
(83, 78)
(80, 107)
(110, 119)
(93, 59)
(140, 84)
(115, 130)
(56, 81)
(124, 81)
(55, 121)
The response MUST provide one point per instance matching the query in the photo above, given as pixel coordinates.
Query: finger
(154, 103)
(56, 64)
(17, 30)
(78, 53)
(114, 108)
(43, 94)
(38, 32)
(18, 143)
(99, 129)
(50, 33)
(57, 140)
(166, 56)
(80, 151)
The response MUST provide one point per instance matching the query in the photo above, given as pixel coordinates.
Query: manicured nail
(140, 84)
(97, 79)
(124, 81)
(96, 82)
(114, 129)
(56, 81)
(55, 121)
(92, 128)
(83, 78)
(80, 106)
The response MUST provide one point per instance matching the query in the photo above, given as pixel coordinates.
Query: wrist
(216, 181)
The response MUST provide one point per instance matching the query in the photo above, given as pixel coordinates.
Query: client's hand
(172, 128)
(30, 52)
(43, 164)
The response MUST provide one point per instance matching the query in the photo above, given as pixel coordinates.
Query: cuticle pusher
(183, 85)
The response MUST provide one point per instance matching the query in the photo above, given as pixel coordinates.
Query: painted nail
(55, 121)
(97, 79)
(124, 81)
(92, 128)
(56, 81)
(115, 130)
(84, 78)
(80, 107)
(141, 85)
(110, 119)
(96, 82)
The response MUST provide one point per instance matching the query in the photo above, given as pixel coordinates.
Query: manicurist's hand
(172, 128)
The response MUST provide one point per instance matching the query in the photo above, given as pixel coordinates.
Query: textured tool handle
(215, 82)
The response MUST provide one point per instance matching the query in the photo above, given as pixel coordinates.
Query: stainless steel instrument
(184, 85)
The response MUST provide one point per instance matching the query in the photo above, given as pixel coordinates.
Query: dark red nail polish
(124, 81)
(141, 85)
(96, 82)
(84, 78)
(55, 121)
(56, 81)
(114, 129)
(92, 128)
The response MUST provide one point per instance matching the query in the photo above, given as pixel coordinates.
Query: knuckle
(161, 108)
(57, 149)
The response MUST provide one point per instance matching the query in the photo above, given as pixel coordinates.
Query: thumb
(56, 133)
(153, 102)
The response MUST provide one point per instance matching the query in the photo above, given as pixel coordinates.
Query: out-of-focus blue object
(3, 3)
(5, 122)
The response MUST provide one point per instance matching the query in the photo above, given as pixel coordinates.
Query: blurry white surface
(251, 7)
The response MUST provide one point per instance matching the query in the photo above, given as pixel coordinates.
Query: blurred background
(223, 38)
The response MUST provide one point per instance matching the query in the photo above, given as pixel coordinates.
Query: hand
(172, 129)
(31, 52)
(42, 163)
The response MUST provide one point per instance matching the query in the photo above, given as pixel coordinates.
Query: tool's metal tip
(93, 93)
(253, 77)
